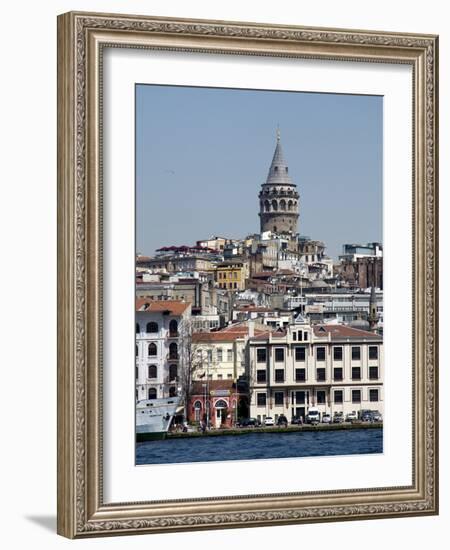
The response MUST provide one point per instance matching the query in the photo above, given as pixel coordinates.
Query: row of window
(300, 374)
(321, 397)
(219, 354)
(300, 336)
(152, 350)
(228, 285)
(227, 275)
(273, 205)
(300, 353)
(152, 372)
(153, 327)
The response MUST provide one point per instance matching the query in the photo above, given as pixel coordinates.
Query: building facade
(216, 403)
(231, 275)
(335, 368)
(161, 326)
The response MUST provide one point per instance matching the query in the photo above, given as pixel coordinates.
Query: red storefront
(215, 401)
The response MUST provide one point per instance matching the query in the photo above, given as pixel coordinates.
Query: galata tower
(278, 198)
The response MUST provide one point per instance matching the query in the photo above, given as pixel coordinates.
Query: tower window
(276, 168)
(287, 170)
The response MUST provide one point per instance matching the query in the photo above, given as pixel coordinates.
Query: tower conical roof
(278, 171)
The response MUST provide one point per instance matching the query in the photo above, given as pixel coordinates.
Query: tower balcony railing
(279, 193)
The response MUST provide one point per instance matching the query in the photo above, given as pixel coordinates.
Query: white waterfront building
(160, 327)
(335, 368)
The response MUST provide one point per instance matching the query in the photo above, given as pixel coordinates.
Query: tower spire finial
(278, 133)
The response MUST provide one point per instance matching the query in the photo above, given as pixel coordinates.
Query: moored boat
(154, 417)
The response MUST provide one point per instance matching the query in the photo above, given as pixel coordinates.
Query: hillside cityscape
(265, 330)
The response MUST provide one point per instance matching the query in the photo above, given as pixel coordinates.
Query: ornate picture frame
(82, 38)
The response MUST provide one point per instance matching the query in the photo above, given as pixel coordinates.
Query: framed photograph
(247, 283)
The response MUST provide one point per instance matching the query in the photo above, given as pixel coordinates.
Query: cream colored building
(224, 353)
(335, 368)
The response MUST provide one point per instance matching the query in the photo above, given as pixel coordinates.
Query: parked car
(268, 421)
(282, 420)
(313, 416)
(376, 416)
(248, 422)
(338, 418)
(326, 418)
(366, 416)
(351, 417)
(297, 420)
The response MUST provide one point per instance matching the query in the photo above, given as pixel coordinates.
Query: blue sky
(203, 153)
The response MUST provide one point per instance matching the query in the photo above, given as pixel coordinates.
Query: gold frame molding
(81, 39)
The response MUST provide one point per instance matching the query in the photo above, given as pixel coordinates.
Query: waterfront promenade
(277, 429)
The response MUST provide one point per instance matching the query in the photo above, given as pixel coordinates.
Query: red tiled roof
(344, 331)
(218, 336)
(175, 307)
(227, 334)
(263, 274)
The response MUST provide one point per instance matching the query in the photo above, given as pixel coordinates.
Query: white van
(313, 416)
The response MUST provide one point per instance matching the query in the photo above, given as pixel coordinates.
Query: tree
(194, 363)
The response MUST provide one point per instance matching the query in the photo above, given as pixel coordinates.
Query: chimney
(251, 329)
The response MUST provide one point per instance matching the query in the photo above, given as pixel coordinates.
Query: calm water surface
(260, 445)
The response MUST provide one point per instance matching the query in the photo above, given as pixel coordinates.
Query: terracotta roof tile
(344, 331)
(227, 334)
(174, 307)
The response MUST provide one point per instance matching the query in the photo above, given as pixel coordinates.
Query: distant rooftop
(174, 307)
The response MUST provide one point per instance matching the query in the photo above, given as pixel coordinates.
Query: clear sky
(203, 153)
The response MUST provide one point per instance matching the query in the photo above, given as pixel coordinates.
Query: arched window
(282, 204)
(137, 351)
(173, 372)
(173, 351)
(152, 371)
(276, 168)
(172, 391)
(152, 393)
(136, 372)
(197, 410)
(152, 327)
(173, 328)
(274, 205)
(290, 205)
(221, 404)
(138, 329)
(152, 349)
(267, 206)
(274, 228)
